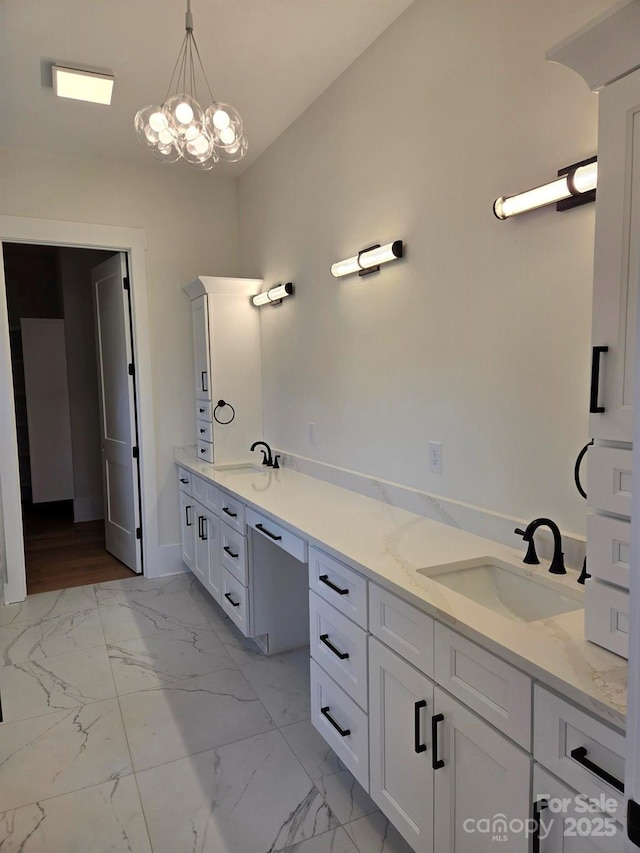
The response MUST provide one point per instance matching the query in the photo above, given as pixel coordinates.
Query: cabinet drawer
(232, 512)
(606, 616)
(184, 480)
(342, 724)
(609, 549)
(402, 627)
(205, 451)
(199, 489)
(339, 585)
(204, 431)
(234, 599)
(340, 647)
(233, 552)
(278, 534)
(203, 411)
(488, 685)
(559, 729)
(609, 479)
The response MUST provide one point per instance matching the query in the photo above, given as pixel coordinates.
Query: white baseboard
(88, 509)
(166, 560)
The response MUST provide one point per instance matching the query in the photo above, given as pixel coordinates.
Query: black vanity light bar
(368, 260)
(575, 185)
(273, 296)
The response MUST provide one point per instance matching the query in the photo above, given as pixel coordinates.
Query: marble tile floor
(137, 718)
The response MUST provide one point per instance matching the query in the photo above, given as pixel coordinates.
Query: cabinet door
(566, 826)
(401, 775)
(187, 529)
(617, 256)
(211, 526)
(200, 322)
(483, 777)
(201, 560)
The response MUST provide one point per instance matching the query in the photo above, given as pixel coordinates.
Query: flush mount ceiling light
(368, 260)
(82, 85)
(574, 186)
(273, 296)
(180, 127)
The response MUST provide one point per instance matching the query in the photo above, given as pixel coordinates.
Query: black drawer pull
(580, 755)
(202, 411)
(268, 533)
(183, 480)
(205, 529)
(199, 527)
(202, 431)
(538, 806)
(594, 408)
(342, 732)
(228, 551)
(226, 510)
(325, 580)
(203, 450)
(187, 515)
(419, 747)
(324, 638)
(436, 762)
(231, 601)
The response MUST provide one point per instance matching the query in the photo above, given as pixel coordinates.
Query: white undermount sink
(514, 592)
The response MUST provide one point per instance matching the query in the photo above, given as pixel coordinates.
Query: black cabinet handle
(538, 806)
(580, 755)
(419, 747)
(202, 411)
(205, 529)
(201, 526)
(204, 387)
(202, 431)
(436, 762)
(324, 638)
(187, 515)
(203, 450)
(268, 533)
(342, 732)
(230, 552)
(231, 601)
(325, 580)
(228, 512)
(594, 408)
(183, 480)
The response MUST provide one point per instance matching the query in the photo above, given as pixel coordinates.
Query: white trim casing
(18, 229)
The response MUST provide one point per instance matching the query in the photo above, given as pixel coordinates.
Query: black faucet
(267, 458)
(557, 564)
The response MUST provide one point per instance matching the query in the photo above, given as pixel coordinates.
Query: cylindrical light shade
(585, 178)
(369, 259)
(276, 294)
(532, 199)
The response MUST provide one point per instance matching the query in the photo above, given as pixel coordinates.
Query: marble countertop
(389, 545)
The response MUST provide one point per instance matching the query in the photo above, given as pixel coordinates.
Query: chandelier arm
(195, 44)
(175, 68)
(192, 69)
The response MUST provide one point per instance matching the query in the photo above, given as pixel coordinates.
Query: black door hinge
(633, 822)
(125, 282)
(132, 369)
(135, 451)
(138, 533)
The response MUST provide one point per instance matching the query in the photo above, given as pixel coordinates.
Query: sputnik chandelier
(179, 127)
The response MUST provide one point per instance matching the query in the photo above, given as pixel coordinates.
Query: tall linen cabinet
(227, 367)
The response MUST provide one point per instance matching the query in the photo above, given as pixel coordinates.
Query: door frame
(78, 235)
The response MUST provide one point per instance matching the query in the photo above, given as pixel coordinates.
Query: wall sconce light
(574, 186)
(273, 296)
(368, 260)
(82, 85)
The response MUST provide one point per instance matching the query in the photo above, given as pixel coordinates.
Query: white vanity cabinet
(206, 564)
(227, 367)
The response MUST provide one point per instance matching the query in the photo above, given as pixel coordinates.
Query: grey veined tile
(191, 716)
(251, 797)
(45, 605)
(374, 834)
(106, 817)
(139, 588)
(149, 617)
(61, 752)
(34, 687)
(336, 841)
(45, 638)
(280, 687)
(163, 659)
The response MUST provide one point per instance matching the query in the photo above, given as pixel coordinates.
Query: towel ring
(220, 405)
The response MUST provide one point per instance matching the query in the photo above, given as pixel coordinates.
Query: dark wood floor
(60, 554)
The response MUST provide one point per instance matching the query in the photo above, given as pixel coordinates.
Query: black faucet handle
(275, 460)
(519, 531)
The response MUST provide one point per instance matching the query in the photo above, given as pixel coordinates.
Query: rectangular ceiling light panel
(82, 85)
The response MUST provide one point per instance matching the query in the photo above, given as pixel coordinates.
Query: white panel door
(483, 776)
(117, 412)
(187, 529)
(200, 318)
(202, 555)
(400, 749)
(48, 418)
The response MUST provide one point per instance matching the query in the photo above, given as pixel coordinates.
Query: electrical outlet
(312, 433)
(435, 457)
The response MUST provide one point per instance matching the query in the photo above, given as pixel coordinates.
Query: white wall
(480, 338)
(190, 220)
